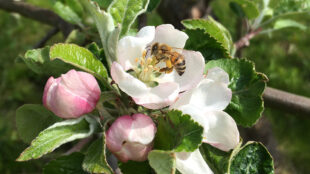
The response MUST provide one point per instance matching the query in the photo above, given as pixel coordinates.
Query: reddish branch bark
(245, 40)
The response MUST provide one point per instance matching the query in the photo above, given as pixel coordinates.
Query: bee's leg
(168, 68)
(163, 58)
(168, 63)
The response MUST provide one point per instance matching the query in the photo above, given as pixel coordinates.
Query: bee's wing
(181, 49)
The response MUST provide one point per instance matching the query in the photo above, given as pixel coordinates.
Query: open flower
(72, 94)
(141, 75)
(205, 104)
(130, 137)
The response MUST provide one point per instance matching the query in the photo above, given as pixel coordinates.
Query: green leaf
(125, 12)
(76, 37)
(103, 20)
(249, 8)
(75, 6)
(252, 158)
(95, 160)
(201, 41)
(133, 167)
(104, 4)
(66, 13)
(113, 41)
(284, 23)
(153, 5)
(163, 162)
(282, 7)
(39, 61)
(247, 87)
(178, 132)
(31, 119)
(56, 135)
(217, 160)
(105, 25)
(79, 57)
(237, 9)
(71, 164)
(221, 38)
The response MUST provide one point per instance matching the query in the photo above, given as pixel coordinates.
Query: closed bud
(72, 94)
(131, 137)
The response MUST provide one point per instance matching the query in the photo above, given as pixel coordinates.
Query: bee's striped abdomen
(179, 64)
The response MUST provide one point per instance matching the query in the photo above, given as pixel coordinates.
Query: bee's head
(154, 48)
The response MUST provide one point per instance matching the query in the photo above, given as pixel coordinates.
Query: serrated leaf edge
(170, 153)
(63, 123)
(76, 65)
(238, 149)
(190, 118)
(227, 52)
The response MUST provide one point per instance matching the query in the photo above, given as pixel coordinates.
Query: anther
(149, 60)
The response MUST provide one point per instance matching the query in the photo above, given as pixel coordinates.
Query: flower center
(147, 69)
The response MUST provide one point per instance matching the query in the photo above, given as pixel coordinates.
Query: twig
(78, 146)
(245, 40)
(287, 101)
(47, 37)
(39, 14)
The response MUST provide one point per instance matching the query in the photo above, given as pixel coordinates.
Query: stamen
(149, 60)
(137, 59)
(143, 54)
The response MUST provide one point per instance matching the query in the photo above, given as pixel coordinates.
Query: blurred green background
(283, 56)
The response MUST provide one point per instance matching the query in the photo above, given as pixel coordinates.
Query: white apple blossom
(205, 104)
(137, 73)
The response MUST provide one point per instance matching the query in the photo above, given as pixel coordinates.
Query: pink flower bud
(72, 94)
(130, 137)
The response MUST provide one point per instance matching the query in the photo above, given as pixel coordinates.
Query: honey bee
(173, 59)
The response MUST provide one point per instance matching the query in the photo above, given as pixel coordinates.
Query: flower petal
(118, 133)
(192, 163)
(160, 96)
(223, 131)
(167, 34)
(193, 74)
(82, 84)
(209, 95)
(134, 152)
(127, 83)
(218, 74)
(143, 129)
(219, 129)
(131, 47)
(153, 98)
(130, 138)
